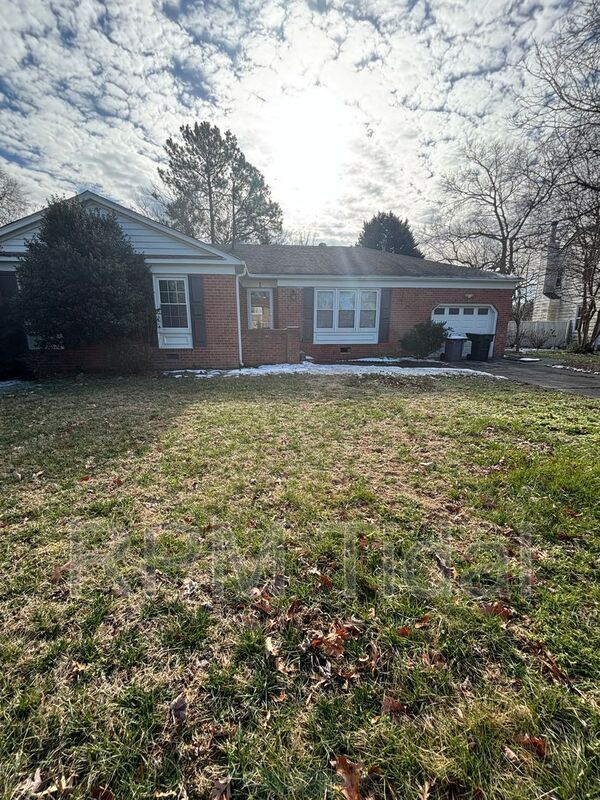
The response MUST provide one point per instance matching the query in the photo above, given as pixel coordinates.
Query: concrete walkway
(540, 373)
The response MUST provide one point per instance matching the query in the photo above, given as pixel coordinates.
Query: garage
(465, 319)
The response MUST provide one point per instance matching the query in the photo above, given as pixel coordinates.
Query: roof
(324, 260)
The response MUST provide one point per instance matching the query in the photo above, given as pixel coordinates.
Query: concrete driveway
(539, 373)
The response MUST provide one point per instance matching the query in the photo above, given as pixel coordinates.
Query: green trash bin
(480, 345)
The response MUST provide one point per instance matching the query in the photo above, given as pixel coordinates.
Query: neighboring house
(558, 293)
(278, 303)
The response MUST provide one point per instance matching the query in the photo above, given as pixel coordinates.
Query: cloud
(347, 106)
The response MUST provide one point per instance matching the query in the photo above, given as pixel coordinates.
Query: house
(278, 303)
(558, 292)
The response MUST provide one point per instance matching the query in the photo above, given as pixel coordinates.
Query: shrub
(81, 282)
(425, 338)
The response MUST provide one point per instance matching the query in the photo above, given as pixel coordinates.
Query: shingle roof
(325, 260)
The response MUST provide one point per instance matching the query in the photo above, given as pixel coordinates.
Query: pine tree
(215, 193)
(388, 232)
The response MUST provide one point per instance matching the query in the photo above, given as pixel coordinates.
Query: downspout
(239, 318)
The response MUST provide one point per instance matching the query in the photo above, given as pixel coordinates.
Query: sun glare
(311, 135)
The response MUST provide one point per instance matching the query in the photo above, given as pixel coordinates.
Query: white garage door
(467, 319)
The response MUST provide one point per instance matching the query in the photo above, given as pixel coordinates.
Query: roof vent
(322, 244)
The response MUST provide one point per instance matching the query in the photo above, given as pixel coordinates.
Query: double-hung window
(346, 315)
(172, 300)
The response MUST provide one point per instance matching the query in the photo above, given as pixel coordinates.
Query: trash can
(480, 345)
(453, 348)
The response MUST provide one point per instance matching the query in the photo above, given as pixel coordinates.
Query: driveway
(542, 374)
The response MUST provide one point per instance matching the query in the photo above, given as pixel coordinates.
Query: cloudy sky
(347, 106)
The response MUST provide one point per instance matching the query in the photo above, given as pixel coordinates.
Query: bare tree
(13, 201)
(492, 205)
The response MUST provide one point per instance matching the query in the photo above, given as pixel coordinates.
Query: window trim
(181, 338)
(249, 291)
(356, 329)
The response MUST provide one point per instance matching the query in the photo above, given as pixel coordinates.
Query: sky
(348, 107)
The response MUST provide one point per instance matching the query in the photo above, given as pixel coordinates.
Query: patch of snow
(13, 384)
(572, 369)
(530, 359)
(393, 360)
(331, 369)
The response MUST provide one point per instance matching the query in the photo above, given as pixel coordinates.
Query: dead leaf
(117, 482)
(85, 479)
(33, 784)
(392, 707)
(326, 582)
(425, 790)
(535, 743)
(446, 570)
(101, 793)
(349, 772)
(497, 609)
(570, 512)
(423, 622)
(271, 648)
(404, 631)
(221, 790)
(295, 606)
(178, 708)
(59, 573)
(510, 754)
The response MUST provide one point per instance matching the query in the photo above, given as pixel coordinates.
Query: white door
(467, 319)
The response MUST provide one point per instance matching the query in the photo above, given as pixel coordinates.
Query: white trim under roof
(393, 281)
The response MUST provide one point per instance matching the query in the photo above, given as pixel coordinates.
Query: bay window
(346, 315)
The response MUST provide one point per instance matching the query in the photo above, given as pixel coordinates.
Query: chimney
(553, 274)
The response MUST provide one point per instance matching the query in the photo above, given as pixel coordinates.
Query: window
(346, 309)
(173, 303)
(260, 308)
(454, 311)
(325, 302)
(577, 317)
(439, 311)
(483, 312)
(468, 311)
(368, 309)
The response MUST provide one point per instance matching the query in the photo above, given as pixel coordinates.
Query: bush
(425, 338)
(81, 282)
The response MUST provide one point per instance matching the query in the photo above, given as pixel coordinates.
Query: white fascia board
(189, 267)
(393, 282)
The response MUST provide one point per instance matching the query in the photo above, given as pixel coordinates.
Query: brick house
(266, 304)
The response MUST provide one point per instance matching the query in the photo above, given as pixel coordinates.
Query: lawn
(303, 586)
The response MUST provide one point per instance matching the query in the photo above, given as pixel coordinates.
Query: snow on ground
(572, 369)
(331, 369)
(393, 360)
(11, 385)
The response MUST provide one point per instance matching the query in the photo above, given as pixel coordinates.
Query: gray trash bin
(453, 348)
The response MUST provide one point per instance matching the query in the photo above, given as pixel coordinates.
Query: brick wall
(408, 306)
(220, 351)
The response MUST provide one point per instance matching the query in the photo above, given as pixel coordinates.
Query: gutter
(239, 318)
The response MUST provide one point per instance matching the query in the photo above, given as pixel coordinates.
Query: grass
(404, 573)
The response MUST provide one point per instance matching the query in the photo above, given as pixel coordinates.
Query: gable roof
(193, 248)
(323, 260)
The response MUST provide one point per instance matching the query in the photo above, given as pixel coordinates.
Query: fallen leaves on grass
(178, 708)
(535, 743)
(261, 600)
(423, 622)
(101, 793)
(349, 772)
(497, 609)
(221, 790)
(447, 570)
(60, 572)
(393, 708)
